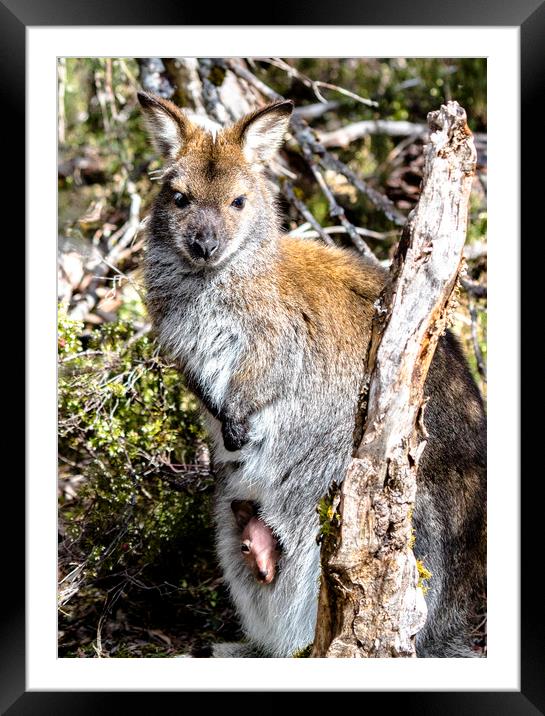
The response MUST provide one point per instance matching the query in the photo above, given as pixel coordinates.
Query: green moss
(68, 334)
(303, 653)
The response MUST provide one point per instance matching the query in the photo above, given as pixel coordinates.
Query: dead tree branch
(312, 111)
(315, 85)
(335, 210)
(370, 604)
(474, 288)
(310, 145)
(305, 212)
(305, 232)
(475, 340)
(119, 243)
(344, 136)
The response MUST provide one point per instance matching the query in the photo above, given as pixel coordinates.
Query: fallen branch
(344, 136)
(193, 479)
(118, 242)
(370, 604)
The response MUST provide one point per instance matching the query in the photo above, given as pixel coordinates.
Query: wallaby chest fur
(274, 337)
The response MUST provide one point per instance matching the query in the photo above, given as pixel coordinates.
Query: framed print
(34, 678)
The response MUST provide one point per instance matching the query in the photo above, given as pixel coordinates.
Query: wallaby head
(214, 197)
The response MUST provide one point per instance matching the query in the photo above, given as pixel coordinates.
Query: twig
(315, 84)
(303, 232)
(120, 240)
(108, 605)
(336, 211)
(475, 340)
(60, 98)
(474, 287)
(245, 74)
(73, 582)
(305, 137)
(305, 212)
(308, 112)
(122, 274)
(194, 477)
(101, 96)
(395, 157)
(379, 200)
(83, 354)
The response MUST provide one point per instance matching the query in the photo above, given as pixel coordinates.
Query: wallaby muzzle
(203, 245)
(203, 236)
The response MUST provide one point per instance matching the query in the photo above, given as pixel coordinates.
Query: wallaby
(259, 546)
(271, 333)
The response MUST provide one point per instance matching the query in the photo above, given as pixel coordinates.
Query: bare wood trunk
(370, 603)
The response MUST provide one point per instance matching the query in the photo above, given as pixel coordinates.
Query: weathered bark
(370, 603)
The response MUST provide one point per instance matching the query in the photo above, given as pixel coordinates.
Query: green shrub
(130, 521)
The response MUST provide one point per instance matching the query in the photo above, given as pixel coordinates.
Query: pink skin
(259, 546)
(260, 549)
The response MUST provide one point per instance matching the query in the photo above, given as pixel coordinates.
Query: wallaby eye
(239, 202)
(245, 548)
(180, 200)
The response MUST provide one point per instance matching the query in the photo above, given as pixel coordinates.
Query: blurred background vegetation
(137, 571)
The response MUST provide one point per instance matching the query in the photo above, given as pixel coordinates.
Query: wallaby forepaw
(235, 434)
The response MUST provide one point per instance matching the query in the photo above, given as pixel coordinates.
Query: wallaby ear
(262, 131)
(244, 511)
(167, 125)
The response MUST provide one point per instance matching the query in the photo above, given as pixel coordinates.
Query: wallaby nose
(204, 246)
(262, 575)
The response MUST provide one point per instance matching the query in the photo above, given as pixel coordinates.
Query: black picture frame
(15, 16)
